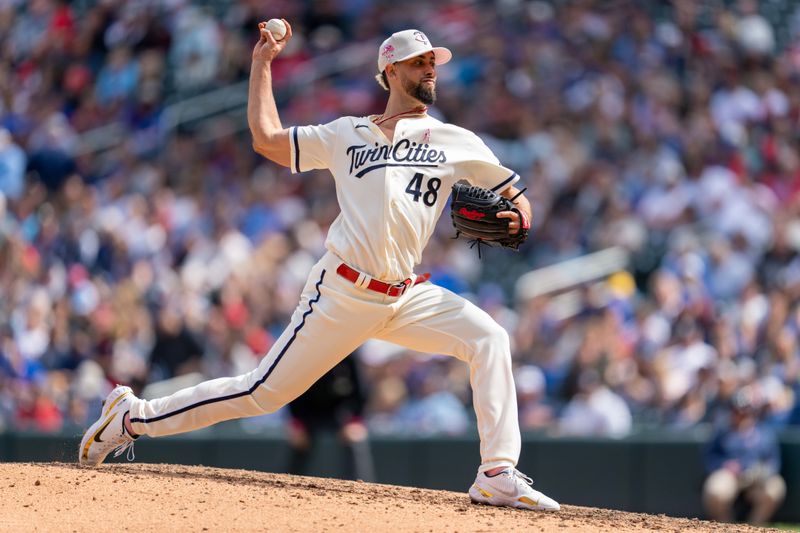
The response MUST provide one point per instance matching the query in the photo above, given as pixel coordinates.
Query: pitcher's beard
(422, 92)
(425, 95)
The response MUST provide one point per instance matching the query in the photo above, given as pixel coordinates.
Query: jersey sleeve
(483, 168)
(312, 147)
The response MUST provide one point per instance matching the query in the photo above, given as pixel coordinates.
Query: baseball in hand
(277, 28)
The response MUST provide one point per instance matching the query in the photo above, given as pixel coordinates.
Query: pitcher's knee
(498, 337)
(270, 398)
(266, 399)
(491, 341)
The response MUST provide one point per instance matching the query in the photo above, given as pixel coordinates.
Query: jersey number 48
(430, 195)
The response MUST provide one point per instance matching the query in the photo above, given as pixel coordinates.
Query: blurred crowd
(669, 132)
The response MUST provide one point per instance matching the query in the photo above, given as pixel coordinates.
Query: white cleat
(510, 488)
(108, 433)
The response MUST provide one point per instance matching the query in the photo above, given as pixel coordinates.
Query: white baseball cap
(407, 44)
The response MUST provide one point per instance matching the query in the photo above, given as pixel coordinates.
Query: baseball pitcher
(393, 173)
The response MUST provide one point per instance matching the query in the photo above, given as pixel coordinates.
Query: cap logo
(419, 36)
(388, 52)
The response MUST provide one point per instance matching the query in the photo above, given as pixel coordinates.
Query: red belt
(390, 289)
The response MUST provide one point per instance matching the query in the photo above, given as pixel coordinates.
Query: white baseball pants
(333, 318)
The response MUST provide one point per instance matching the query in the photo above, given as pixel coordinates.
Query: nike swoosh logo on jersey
(362, 126)
(103, 428)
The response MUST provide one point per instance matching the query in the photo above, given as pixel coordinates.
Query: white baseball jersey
(392, 193)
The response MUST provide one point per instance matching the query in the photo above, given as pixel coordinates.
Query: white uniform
(391, 195)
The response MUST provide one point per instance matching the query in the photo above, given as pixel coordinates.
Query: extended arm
(270, 139)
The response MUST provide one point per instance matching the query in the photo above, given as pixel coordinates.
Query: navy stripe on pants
(258, 383)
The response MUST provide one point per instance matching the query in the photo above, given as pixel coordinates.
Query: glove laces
(477, 243)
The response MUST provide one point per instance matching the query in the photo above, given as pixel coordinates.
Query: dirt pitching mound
(147, 497)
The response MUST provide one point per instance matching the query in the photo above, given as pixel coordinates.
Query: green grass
(786, 527)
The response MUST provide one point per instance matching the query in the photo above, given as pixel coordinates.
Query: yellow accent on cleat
(525, 499)
(115, 402)
(483, 492)
(96, 436)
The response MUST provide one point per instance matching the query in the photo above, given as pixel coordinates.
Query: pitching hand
(267, 48)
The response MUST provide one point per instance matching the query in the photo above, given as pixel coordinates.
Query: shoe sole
(482, 497)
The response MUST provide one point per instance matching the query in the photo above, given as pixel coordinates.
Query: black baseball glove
(474, 214)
